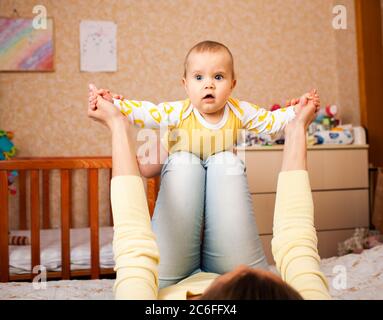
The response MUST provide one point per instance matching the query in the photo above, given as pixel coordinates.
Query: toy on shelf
(327, 128)
(7, 151)
(275, 107)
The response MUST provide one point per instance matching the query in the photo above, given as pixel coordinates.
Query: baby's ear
(234, 83)
(184, 84)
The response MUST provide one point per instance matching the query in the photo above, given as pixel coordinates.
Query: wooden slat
(46, 211)
(22, 200)
(4, 250)
(56, 163)
(94, 225)
(70, 199)
(65, 223)
(110, 203)
(153, 188)
(35, 217)
(57, 274)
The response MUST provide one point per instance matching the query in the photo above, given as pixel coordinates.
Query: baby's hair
(209, 46)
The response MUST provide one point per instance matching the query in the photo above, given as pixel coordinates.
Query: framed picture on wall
(24, 47)
(98, 46)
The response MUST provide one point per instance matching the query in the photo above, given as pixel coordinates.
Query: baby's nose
(209, 84)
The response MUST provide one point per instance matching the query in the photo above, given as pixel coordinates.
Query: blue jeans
(204, 219)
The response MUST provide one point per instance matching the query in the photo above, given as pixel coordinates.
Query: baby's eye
(198, 77)
(219, 77)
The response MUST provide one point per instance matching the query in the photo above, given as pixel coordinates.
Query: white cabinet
(339, 182)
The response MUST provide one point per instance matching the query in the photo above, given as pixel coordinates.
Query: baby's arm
(143, 114)
(261, 120)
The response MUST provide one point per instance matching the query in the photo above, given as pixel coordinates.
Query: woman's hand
(299, 103)
(304, 116)
(104, 93)
(102, 110)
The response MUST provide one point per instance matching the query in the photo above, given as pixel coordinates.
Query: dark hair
(211, 46)
(252, 286)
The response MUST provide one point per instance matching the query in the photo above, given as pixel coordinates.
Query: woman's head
(245, 283)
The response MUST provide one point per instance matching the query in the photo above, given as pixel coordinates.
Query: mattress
(364, 280)
(50, 249)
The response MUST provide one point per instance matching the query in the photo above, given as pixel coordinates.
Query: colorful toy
(275, 107)
(361, 239)
(327, 117)
(7, 151)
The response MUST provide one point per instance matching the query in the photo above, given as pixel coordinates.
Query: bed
(50, 250)
(66, 252)
(364, 280)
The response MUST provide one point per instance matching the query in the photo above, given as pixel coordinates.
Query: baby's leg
(178, 216)
(231, 235)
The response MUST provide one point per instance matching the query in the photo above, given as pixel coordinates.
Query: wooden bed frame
(39, 168)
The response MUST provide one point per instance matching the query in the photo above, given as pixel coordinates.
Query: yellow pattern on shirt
(192, 136)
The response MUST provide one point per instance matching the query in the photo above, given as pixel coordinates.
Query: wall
(282, 48)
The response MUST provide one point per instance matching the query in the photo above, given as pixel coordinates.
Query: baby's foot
(305, 99)
(94, 93)
(92, 97)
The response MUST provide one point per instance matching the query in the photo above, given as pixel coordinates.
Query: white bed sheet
(50, 248)
(364, 275)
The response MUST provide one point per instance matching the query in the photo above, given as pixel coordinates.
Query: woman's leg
(178, 217)
(231, 236)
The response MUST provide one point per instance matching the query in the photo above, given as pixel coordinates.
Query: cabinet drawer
(327, 243)
(338, 169)
(341, 209)
(328, 169)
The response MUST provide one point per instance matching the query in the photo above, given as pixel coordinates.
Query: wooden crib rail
(56, 163)
(65, 164)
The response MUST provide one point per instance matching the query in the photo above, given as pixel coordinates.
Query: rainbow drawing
(24, 48)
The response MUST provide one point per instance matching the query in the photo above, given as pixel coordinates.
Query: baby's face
(209, 80)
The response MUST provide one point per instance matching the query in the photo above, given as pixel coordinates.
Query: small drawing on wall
(25, 48)
(98, 46)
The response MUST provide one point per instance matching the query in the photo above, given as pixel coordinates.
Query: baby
(210, 120)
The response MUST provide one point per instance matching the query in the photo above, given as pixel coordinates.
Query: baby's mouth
(208, 97)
